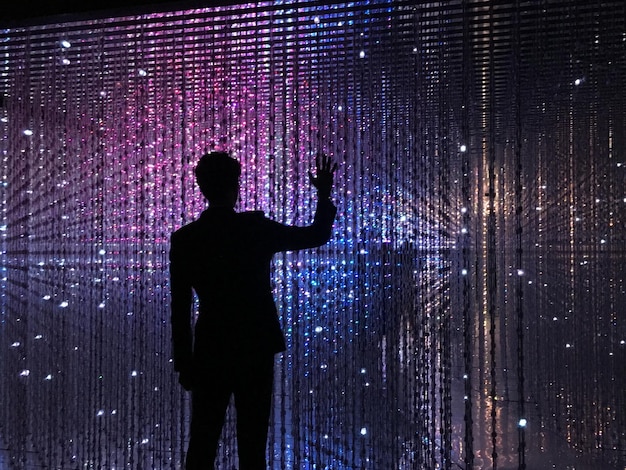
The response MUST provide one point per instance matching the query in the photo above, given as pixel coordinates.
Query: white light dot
(464, 272)
(27, 132)
(16, 344)
(522, 423)
(145, 440)
(319, 329)
(25, 373)
(133, 373)
(316, 20)
(142, 72)
(65, 43)
(65, 61)
(520, 272)
(578, 81)
(102, 252)
(363, 431)
(463, 230)
(102, 304)
(64, 304)
(100, 413)
(463, 148)
(48, 377)
(362, 54)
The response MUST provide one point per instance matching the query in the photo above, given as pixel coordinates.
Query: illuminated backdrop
(469, 310)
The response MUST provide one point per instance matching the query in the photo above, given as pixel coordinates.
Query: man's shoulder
(252, 215)
(186, 230)
(195, 227)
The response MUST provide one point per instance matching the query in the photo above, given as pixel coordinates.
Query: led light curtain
(468, 311)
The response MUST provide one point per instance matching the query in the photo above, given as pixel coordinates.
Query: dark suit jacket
(225, 256)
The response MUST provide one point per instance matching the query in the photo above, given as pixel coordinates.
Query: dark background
(32, 12)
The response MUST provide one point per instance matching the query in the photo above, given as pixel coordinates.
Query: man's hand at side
(185, 378)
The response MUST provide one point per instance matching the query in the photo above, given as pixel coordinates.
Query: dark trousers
(250, 380)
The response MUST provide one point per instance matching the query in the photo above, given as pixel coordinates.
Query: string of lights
(468, 311)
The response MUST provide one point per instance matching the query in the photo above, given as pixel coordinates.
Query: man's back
(225, 257)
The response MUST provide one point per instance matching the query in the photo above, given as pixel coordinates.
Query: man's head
(217, 175)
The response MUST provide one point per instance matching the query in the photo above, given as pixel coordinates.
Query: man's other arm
(319, 232)
(181, 302)
(289, 238)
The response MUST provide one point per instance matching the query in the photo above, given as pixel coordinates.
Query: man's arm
(181, 302)
(288, 238)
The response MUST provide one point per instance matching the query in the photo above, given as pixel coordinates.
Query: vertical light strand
(519, 294)
(491, 262)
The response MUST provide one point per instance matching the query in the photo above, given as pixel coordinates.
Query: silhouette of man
(224, 257)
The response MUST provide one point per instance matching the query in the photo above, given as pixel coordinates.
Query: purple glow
(466, 229)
